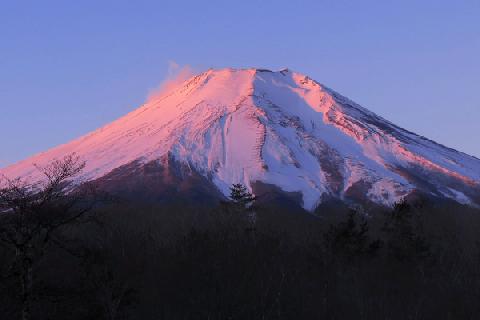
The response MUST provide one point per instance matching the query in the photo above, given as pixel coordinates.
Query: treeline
(84, 256)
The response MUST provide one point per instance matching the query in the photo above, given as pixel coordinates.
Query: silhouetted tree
(405, 238)
(240, 195)
(243, 202)
(350, 238)
(32, 215)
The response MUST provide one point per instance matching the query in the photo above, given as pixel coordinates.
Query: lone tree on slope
(240, 196)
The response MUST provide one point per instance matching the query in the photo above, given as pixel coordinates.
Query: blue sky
(68, 67)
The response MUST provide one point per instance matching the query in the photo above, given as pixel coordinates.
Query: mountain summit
(279, 129)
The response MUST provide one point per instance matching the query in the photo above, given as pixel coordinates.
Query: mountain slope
(279, 128)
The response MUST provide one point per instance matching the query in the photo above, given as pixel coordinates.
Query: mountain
(277, 131)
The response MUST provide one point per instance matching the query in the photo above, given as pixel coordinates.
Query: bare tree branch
(31, 213)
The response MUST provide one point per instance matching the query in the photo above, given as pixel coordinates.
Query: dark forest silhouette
(71, 253)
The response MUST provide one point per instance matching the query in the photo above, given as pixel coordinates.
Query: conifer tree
(240, 196)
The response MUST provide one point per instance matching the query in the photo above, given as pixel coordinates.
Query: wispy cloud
(176, 74)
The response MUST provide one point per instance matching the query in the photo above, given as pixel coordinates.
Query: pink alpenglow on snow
(280, 128)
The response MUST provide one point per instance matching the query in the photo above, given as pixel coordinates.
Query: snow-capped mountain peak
(278, 128)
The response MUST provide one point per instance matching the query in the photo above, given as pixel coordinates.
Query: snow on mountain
(280, 128)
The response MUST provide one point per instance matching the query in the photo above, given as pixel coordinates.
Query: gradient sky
(68, 67)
